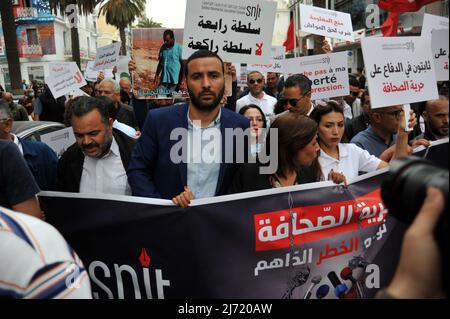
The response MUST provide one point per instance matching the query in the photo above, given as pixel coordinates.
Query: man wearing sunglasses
(296, 95)
(257, 96)
(352, 102)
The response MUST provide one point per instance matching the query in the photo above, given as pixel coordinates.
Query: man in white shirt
(257, 96)
(97, 162)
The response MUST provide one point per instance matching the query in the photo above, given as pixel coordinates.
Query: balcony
(30, 51)
(26, 14)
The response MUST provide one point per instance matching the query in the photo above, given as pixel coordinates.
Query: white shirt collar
(17, 142)
(113, 150)
(327, 159)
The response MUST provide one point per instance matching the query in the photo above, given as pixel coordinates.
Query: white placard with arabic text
(328, 72)
(432, 22)
(91, 75)
(59, 141)
(439, 44)
(64, 78)
(400, 70)
(329, 23)
(107, 57)
(238, 31)
(275, 65)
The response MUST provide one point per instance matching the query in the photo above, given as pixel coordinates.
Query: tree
(120, 14)
(12, 55)
(68, 7)
(148, 23)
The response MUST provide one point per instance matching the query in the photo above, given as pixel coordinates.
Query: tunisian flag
(289, 43)
(395, 7)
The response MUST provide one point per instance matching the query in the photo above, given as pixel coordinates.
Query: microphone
(339, 288)
(314, 281)
(322, 291)
(347, 274)
(356, 262)
(299, 279)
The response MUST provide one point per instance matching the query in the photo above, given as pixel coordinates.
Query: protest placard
(64, 77)
(400, 70)
(238, 31)
(122, 67)
(439, 44)
(150, 51)
(328, 72)
(275, 64)
(107, 57)
(325, 22)
(431, 22)
(91, 75)
(59, 141)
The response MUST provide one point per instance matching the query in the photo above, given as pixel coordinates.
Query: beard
(103, 148)
(206, 106)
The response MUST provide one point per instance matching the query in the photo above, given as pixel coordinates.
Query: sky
(169, 12)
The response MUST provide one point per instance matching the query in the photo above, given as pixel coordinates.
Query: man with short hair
(352, 102)
(436, 119)
(272, 84)
(257, 96)
(296, 95)
(158, 170)
(382, 131)
(41, 159)
(170, 66)
(18, 111)
(124, 113)
(97, 162)
(125, 90)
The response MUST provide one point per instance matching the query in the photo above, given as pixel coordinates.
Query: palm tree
(148, 23)
(120, 14)
(10, 36)
(85, 7)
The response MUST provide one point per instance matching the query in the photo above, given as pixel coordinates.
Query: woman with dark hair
(258, 124)
(290, 156)
(346, 158)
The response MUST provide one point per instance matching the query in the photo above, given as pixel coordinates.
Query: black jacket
(70, 166)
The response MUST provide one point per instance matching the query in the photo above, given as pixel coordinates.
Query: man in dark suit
(183, 152)
(97, 162)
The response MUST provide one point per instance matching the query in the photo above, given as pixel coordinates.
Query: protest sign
(328, 23)
(122, 67)
(432, 22)
(268, 244)
(91, 75)
(149, 51)
(107, 57)
(400, 70)
(275, 64)
(328, 72)
(237, 31)
(59, 141)
(64, 78)
(439, 44)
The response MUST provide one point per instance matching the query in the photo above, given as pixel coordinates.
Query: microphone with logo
(347, 274)
(314, 281)
(339, 288)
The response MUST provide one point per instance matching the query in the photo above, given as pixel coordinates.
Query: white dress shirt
(352, 160)
(105, 175)
(266, 103)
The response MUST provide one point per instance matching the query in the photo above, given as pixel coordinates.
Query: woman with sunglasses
(258, 124)
(293, 163)
(348, 159)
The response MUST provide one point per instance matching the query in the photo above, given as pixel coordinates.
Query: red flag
(289, 43)
(395, 7)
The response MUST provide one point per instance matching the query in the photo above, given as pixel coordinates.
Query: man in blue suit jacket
(168, 160)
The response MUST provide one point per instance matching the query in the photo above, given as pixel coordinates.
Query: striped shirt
(36, 262)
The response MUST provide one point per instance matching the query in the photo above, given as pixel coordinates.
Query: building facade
(43, 37)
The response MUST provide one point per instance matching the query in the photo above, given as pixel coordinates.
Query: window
(32, 37)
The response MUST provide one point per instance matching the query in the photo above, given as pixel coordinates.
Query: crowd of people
(126, 146)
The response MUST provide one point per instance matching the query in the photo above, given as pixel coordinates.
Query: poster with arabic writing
(107, 57)
(64, 78)
(238, 31)
(332, 24)
(439, 43)
(400, 70)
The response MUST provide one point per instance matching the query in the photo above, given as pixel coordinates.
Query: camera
(404, 190)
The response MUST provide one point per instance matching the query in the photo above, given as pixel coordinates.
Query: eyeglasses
(3, 120)
(259, 81)
(396, 114)
(292, 102)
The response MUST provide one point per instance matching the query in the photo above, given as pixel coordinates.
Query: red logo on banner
(274, 230)
(144, 258)
(259, 48)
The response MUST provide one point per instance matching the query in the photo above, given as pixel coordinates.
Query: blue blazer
(152, 173)
(42, 162)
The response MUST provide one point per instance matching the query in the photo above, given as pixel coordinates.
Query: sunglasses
(292, 102)
(355, 94)
(259, 81)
